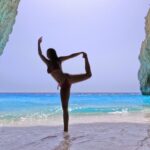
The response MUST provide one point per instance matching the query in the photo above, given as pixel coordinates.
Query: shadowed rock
(144, 57)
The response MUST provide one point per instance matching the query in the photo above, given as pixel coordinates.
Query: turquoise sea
(14, 107)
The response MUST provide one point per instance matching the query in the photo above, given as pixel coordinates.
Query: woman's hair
(51, 54)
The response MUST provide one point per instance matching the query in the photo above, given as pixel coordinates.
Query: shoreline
(57, 120)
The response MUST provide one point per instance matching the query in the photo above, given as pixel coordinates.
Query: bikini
(59, 77)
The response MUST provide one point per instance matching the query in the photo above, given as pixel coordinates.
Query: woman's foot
(66, 134)
(84, 55)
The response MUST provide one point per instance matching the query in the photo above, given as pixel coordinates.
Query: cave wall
(8, 12)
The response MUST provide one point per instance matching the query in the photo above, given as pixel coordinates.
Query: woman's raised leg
(65, 94)
(82, 77)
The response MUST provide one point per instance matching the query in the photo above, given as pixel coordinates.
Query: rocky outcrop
(8, 12)
(144, 57)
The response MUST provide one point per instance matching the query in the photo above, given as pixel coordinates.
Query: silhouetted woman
(64, 80)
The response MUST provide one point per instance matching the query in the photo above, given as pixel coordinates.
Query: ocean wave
(57, 110)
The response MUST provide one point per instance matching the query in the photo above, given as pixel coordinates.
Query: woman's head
(51, 54)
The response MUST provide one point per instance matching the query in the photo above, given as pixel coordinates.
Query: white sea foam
(123, 111)
(75, 119)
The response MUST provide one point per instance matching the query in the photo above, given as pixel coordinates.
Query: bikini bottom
(65, 83)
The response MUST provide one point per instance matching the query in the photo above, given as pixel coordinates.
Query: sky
(109, 31)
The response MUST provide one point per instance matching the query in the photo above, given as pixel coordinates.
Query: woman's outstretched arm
(40, 51)
(63, 58)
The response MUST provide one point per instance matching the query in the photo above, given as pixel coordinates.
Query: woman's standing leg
(65, 94)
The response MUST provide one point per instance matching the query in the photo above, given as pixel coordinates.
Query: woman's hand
(40, 40)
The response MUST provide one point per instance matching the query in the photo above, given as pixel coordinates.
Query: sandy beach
(114, 132)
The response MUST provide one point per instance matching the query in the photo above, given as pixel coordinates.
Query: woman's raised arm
(40, 51)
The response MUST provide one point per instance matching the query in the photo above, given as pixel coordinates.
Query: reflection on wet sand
(65, 143)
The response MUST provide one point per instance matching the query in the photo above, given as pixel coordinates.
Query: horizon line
(71, 93)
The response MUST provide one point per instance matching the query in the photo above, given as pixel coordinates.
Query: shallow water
(16, 107)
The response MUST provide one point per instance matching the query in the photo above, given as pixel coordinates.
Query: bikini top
(54, 67)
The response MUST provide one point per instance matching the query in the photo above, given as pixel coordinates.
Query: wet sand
(95, 136)
(123, 134)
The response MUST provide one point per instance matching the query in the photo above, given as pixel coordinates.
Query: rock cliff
(8, 12)
(144, 57)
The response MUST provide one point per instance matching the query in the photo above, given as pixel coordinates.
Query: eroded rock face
(144, 57)
(8, 12)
